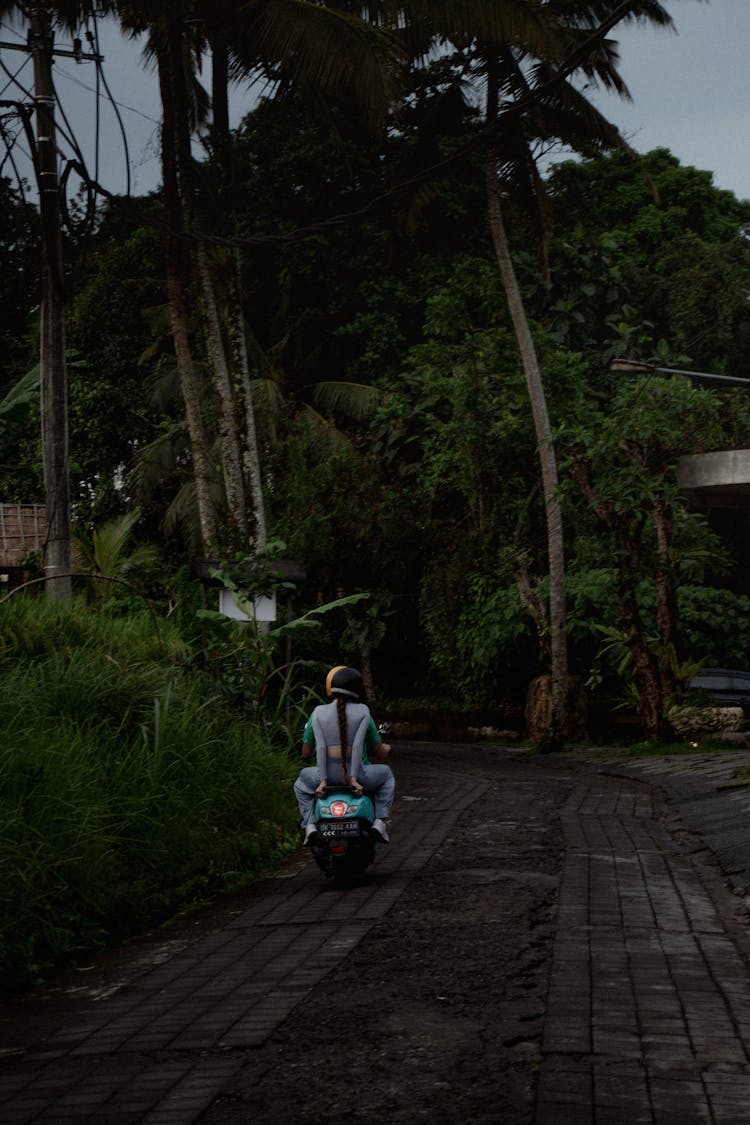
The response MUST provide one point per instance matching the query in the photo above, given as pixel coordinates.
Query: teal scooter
(343, 844)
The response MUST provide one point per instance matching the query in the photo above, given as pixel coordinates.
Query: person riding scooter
(340, 729)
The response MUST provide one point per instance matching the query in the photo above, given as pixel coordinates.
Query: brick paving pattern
(648, 1015)
(159, 1051)
(648, 1011)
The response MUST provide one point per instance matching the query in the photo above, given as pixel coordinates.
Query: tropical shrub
(126, 789)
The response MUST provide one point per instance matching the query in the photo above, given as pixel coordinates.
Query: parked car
(727, 687)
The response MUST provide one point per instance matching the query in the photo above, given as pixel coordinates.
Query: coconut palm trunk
(189, 382)
(244, 394)
(238, 376)
(228, 413)
(548, 462)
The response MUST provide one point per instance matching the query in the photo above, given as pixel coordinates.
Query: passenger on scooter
(340, 730)
(375, 750)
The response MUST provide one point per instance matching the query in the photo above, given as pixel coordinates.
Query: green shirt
(372, 738)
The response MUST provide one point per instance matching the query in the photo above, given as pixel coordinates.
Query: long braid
(343, 740)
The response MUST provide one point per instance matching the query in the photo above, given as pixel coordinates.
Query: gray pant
(378, 779)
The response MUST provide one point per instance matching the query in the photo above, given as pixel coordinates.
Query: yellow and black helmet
(345, 681)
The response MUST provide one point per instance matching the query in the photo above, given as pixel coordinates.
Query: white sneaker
(311, 834)
(380, 830)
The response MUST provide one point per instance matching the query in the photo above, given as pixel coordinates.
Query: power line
(114, 101)
(12, 80)
(65, 132)
(9, 158)
(93, 38)
(576, 58)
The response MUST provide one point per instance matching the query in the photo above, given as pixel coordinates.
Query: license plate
(344, 828)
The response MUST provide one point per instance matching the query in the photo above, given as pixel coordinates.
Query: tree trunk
(220, 136)
(533, 606)
(555, 547)
(628, 538)
(648, 679)
(241, 368)
(241, 455)
(189, 383)
(227, 413)
(666, 596)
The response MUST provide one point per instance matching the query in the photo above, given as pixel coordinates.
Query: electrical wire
(77, 165)
(97, 114)
(100, 75)
(12, 80)
(24, 113)
(115, 104)
(65, 133)
(513, 110)
(9, 158)
(67, 136)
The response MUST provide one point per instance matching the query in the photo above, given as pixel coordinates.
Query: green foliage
(19, 284)
(666, 255)
(715, 626)
(421, 483)
(260, 670)
(106, 552)
(496, 646)
(113, 410)
(126, 790)
(15, 407)
(650, 198)
(350, 304)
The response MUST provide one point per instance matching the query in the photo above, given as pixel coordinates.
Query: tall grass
(125, 791)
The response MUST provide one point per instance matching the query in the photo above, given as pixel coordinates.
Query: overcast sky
(690, 94)
(690, 89)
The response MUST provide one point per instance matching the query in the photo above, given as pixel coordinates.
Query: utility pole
(40, 44)
(57, 557)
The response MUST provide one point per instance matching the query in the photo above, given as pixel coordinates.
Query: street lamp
(636, 367)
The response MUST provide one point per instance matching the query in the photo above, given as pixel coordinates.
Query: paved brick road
(648, 1015)
(160, 1049)
(648, 1010)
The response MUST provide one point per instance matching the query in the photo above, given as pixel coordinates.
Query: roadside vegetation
(129, 789)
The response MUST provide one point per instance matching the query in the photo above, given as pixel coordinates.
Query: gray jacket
(327, 738)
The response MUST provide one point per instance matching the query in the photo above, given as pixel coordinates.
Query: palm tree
(525, 60)
(299, 47)
(291, 43)
(565, 114)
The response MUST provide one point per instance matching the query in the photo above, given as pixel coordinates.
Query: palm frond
(310, 46)
(589, 14)
(462, 22)
(328, 438)
(422, 23)
(268, 401)
(18, 400)
(599, 65)
(109, 542)
(573, 118)
(182, 515)
(352, 400)
(156, 461)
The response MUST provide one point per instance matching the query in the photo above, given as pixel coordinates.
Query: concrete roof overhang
(716, 480)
